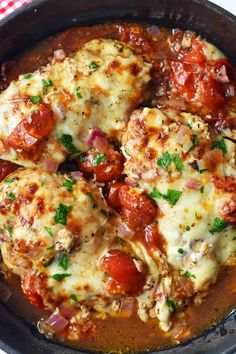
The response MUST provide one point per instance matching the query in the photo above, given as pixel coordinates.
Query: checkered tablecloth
(7, 6)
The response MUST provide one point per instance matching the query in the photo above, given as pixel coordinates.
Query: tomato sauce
(185, 71)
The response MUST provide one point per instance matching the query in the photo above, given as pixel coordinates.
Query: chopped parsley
(91, 197)
(188, 275)
(220, 144)
(9, 229)
(49, 262)
(170, 304)
(48, 230)
(82, 158)
(234, 238)
(11, 196)
(69, 184)
(164, 161)
(202, 189)
(181, 251)
(61, 213)
(60, 276)
(195, 141)
(74, 298)
(177, 161)
(64, 261)
(9, 180)
(172, 195)
(67, 141)
(93, 65)
(188, 228)
(218, 225)
(28, 76)
(78, 94)
(50, 248)
(36, 99)
(98, 159)
(46, 84)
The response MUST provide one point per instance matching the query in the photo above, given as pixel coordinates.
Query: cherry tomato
(153, 238)
(32, 129)
(30, 285)
(138, 210)
(113, 196)
(121, 268)
(6, 167)
(107, 170)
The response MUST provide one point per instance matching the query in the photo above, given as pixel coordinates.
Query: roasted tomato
(32, 130)
(228, 211)
(106, 167)
(195, 83)
(6, 168)
(227, 184)
(31, 285)
(137, 209)
(121, 268)
(114, 195)
(153, 238)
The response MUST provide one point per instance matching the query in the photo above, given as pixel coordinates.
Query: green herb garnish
(98, 159)
(177, 161)
(46, 84)
(67, 141)
(202, 189)
(195, 141)
(60, 276)
(74, 298)
(172, 195)
(181, 251)
(170, 304)
(9, 180)
(9, 229)
(78, 94)
(187, 274)
(218, 225)
(93, 66)
(48, 230)
(61, 213)
(28, 76)
(69, 184)
(220, 144)
(49, 262)
(91, 197)
(164, 161)
(11, 196)
(188, 228)
(50, 248)
(36, 99)
(64, 261)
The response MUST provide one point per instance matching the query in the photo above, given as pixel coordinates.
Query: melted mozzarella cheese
(97, 88)
(186, 225)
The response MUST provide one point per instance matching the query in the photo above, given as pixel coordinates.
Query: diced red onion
(29, 139)
(182, 134)
(127, 307)
(101, 145)
(5, 293)
(50, 165)
(129, 182)
(56, 322)
(126, 231)
(93, 135)
(193, 184)
(77, 175)
(59, 54)
(222, 75)
(149, 175)
(67, 311)
(230, 92)
(154, 30)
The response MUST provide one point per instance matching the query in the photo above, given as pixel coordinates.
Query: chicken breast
(48, 114)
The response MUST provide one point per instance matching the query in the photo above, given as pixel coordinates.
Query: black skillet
(44, 17)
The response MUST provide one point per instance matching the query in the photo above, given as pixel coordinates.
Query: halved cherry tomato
(153, 238)
(6, 167)
(30, 284)
(121, 268)
(107, 170)
(138, 210)
(32, 129)
(113, 196)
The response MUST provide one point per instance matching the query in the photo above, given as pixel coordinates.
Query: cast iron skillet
(44, 17)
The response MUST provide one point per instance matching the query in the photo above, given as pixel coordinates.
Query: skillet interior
(30, 24)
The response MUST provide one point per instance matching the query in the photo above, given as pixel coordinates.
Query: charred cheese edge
(96, 88)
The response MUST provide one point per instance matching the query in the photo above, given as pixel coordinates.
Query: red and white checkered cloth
(8, 6)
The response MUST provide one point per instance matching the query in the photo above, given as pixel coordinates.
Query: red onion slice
(50, 165)
(77, 175)
(67, 311)
(126, 231)
(56, 322)
(193, 184)
(95, 133)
